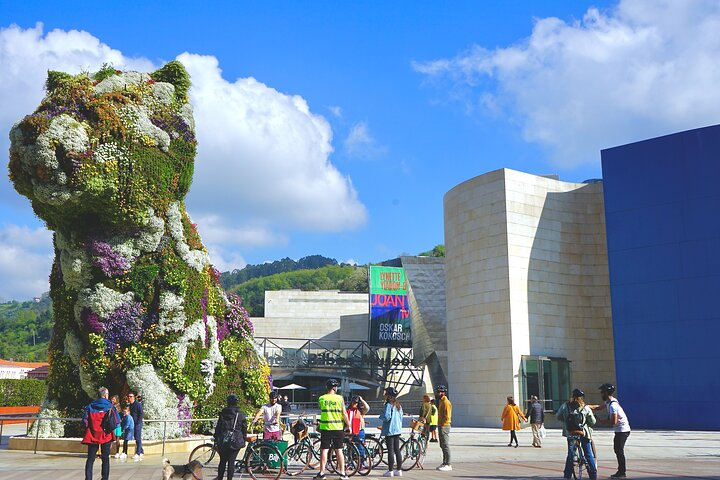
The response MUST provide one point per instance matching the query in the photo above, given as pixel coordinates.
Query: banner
(389, 308)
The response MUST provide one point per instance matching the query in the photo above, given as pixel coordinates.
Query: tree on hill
(437, 251)
(238, 276)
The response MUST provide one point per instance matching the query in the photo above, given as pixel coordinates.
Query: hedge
(21, 392)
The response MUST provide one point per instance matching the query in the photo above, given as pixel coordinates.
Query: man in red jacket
(95, 435)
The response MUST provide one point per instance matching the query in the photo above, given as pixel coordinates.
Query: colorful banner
(389, 308)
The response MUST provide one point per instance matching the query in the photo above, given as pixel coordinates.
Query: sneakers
(389, 473)
(433, 440)
(117, 455)
(398, 473)
(618, 475)
(344, 477)
(319, 476)
(137, 457)
(122, 456)
(445, 468)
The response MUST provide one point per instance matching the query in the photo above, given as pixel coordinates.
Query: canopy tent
(357, 386)
(293, 387)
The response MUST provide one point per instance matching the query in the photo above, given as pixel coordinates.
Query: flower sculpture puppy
(106, 160)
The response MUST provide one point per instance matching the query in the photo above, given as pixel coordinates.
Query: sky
(336, 128)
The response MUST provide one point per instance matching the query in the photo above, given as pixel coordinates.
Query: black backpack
(575, 419)
(109, 422)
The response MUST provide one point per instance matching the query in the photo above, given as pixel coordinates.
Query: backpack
(232, 439)
(109, 422)
(575, 419)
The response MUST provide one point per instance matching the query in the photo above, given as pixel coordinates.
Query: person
(95, 436)
(356, 415)
(391, 418)
(578, 420)
(425, 413)
(128, 431)
(444, 421)
(231, 425)
(619, 421)
(115, 400)
(510, 417)
(285, 405)
(333, 422)
(136, 410)
(271, 418)
(433, 421)
(536, 415)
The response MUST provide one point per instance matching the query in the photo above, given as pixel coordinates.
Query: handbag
(227, 437)
(542, 432)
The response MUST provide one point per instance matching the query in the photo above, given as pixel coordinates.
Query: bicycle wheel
(423, 441)
(375, 449)
(205, 454)
(314, 459)
(410, 451)
(352, 459)
(296, 458)
(263, 461)
(580, 470)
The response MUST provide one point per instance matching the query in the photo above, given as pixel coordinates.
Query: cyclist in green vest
(333, 422)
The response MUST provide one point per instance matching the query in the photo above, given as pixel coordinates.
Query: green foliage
(55, 79)
(174, 72)
(106, 71)
(94, 360)
(21, 392)
(437, 251)
(331, 277)
(230, 279)
(142, 276)
(25, 330)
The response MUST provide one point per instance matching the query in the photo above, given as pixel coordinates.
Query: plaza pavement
(480, 453)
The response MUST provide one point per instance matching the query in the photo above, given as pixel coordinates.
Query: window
(546, 377)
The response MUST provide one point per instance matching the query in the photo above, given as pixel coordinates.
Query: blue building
(662, 210)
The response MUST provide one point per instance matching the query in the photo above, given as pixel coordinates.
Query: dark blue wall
(662, 208)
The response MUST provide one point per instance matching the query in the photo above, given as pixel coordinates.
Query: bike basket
(417, 426)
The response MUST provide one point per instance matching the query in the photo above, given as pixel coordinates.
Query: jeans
(619, 447)
(591, 466)
(104, 455)
(138, 439)
(445, 443)
(359, 441)
(394, 454)
(227, 458)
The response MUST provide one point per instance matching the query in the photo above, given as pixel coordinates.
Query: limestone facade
(526, 274)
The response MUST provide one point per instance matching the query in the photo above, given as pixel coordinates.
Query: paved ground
(477, 453)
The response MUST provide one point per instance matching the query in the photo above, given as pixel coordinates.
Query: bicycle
(353, 459)
(262, 459)
(303, 454)
(580, 463)
(414, 448)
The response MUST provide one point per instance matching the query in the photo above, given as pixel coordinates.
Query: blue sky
(335, 128)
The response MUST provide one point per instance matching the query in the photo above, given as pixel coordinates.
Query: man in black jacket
(137, 414)
(233, 426)
(536, 415)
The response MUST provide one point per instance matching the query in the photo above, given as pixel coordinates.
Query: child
(128, 429)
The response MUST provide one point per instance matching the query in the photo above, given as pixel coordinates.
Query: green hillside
(25, 329)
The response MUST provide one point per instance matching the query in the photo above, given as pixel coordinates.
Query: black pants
(513, 436)
(619, 447)
(227, 459)
(104, 455)
(394, 454)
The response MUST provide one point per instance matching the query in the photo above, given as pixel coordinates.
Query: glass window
(546, 377)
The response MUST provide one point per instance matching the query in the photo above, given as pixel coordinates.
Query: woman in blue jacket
(391, 418)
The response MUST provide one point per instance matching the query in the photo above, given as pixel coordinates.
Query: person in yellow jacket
(333, 422)
(433, 421)
(444, 420)
(510, 417)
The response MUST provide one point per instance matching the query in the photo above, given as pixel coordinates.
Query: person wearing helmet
(618, 420)
(391, 419)
(230, 433)
(444, 421)
(578, 420)
(510, 418)
(270, 412)
(333, 422)
(356, 414)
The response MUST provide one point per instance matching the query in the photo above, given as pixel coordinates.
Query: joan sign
(389, 308)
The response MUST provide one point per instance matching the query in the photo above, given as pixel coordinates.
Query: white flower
(48, 428)
(110, 151)
(196, 259)
(101, 300)
(152, 232)
(74, 262)
(186, 113)
(138, 119)
(159, 402)
(161, 93)
(172, 314)
(117, 83)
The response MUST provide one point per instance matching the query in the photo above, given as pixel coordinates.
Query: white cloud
(641, 69)
(25, 261)
(263, 168)
(361, 143)
(336, 111)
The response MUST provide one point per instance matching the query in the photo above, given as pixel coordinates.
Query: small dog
(190, 471)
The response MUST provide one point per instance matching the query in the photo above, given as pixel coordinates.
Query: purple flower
(108, 260)
(184, 413)
(203, 306)
(237, 318)
(91, 321)
(123, 326)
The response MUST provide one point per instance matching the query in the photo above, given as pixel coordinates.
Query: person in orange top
(510, 417)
